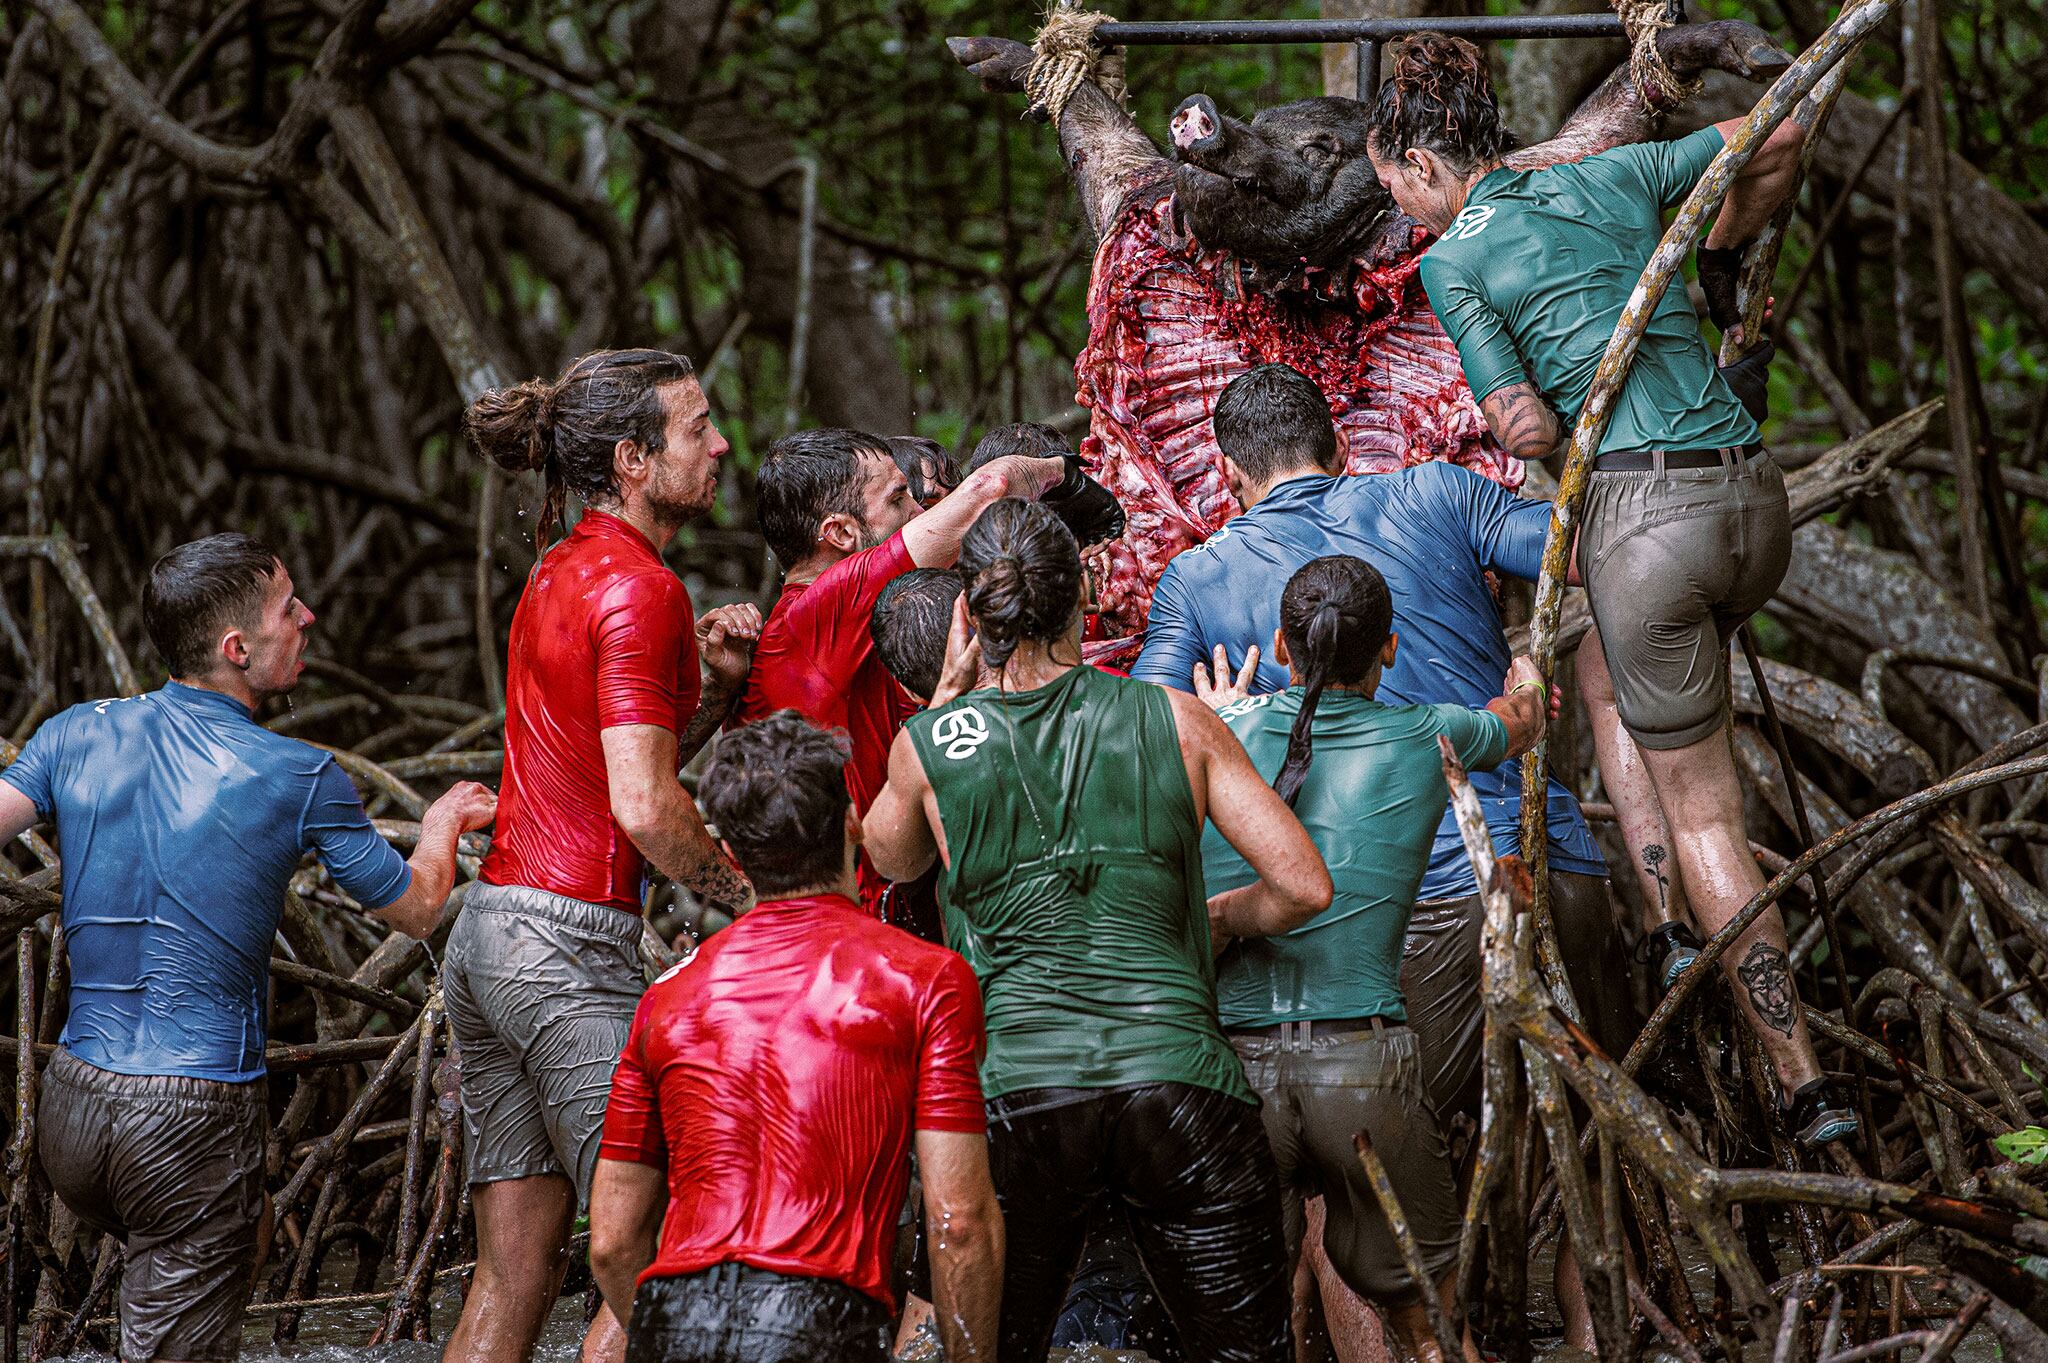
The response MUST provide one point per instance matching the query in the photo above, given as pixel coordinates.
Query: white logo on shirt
(961, 732)
(1246, 706)
(1469, 223)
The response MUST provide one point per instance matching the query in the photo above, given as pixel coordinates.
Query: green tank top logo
(957, 733)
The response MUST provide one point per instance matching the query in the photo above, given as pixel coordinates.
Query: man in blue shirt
(1433, 532)
(181, 821)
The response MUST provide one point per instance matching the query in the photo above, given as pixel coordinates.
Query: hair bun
(514, 427)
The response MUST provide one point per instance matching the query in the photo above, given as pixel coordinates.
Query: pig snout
(1197, 128)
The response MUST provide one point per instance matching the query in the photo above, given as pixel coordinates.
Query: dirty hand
(1223, 691)
(470, 805)
(1523, 676)
(725, 642)
(963, 658)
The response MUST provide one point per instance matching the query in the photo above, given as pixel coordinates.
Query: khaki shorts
(172, 1167)
(1673, 563)
(1313, 1099)
(541, 991)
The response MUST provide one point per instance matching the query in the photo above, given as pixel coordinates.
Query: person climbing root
(1685, 531)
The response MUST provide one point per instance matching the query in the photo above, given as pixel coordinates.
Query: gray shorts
(1440, 980)
(172, 1167)
(540, 991)
(1312, 1100)
(1673, 563)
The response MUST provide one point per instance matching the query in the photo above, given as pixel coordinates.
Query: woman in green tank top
(1066, 806)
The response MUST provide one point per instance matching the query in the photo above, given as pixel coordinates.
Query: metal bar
(1209, 32)
(1368, 70)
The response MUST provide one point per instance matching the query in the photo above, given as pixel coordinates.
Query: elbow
(971, 1229)
(611, 1251)
(1311, 897)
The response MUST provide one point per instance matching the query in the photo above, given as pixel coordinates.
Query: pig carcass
(1272, 240)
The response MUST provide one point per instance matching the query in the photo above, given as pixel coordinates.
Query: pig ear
(998, 63)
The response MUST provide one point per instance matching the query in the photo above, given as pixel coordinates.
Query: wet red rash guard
(777, 1077)
(603, 636)
(817, 656)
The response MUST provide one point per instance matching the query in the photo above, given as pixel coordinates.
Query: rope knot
(1067, 54)
(1642, 21)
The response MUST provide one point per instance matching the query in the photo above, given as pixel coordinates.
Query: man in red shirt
(755, 1154)
(602, 708)
(838, 512)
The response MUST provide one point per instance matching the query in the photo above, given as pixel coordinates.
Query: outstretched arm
(1104, 149)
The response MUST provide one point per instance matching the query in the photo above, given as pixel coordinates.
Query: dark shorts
(1673, 563)
(1316, 1096)
(736, 1313)
(541, 992)
(1440, 980)
(1189, 1168)
(173, 1167)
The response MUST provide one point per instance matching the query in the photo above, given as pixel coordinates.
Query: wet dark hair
(1023, 575)
(927, 464)
(1439, 97)
(199, 589)
(912, 618)
(1335, 615)
(568, 431)
(1033, 439)
(805, 478)
(1271, 418)
(777, 791)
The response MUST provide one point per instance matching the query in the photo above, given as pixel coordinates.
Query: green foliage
(2028, 1145)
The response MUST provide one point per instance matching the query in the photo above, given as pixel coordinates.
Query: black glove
(1750, 377)
(1720, 279)
(1087, 508)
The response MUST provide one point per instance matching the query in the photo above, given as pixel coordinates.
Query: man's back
(181, 822)
(603, 636)
(779, 1075)
(1433, 532)
(1075, 884)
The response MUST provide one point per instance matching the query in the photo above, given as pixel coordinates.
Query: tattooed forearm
(1767, 978)
(712, 711)
(1521, 421)
(718, 881)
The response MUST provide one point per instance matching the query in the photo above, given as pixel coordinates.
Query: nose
(1195, 123)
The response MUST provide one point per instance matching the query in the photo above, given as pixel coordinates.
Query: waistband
(68, 1069)
(1303, 1034)
(1657, 461)
(732, 1275)
(524, 901)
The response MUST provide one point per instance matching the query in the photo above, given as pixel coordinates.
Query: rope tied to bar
(1067, 54)
(1642, 21)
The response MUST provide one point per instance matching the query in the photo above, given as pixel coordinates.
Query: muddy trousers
(736, 1313)
(1191, 1170)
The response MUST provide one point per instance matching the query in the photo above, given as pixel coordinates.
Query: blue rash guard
(1432, 531)
(181, 821)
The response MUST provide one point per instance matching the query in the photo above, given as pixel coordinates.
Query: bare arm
(933, 537)
(1293, 884)
(725, 647)
(17, 813)
(897, 833)
(627, 1200)
(1762, 183)
(467, 808)
(1522, 421)
(966, 1230)
(1521, 706)
(655, 811)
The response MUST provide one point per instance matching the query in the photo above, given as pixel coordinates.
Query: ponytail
(1335, 615)
(1315, 669)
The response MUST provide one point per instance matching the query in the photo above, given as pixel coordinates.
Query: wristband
(1720, 280)
(1526, 685)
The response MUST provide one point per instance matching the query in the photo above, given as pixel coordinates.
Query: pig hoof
(1723, 45)
(998, 63)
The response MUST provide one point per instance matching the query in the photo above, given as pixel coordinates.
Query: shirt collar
(1298, 488)
(614, 527)
(805, 904)
(199, 698)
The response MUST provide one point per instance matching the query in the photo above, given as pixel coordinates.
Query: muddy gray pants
(1440, 980)
(541, 992)
(1674, 560)
(173, 1168)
